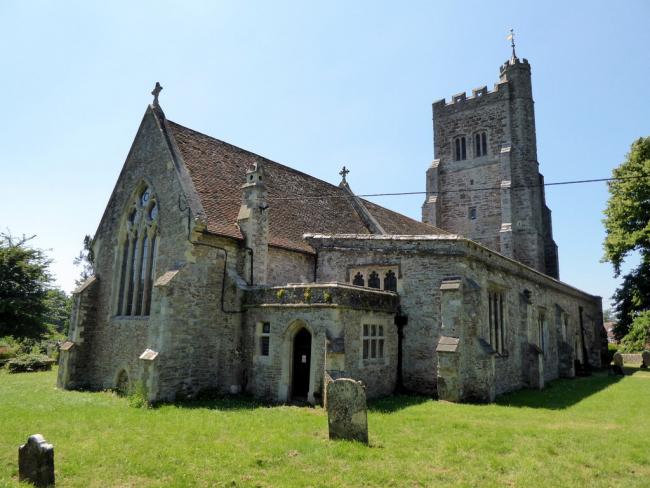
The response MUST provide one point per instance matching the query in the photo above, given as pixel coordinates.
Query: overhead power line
(458, 190)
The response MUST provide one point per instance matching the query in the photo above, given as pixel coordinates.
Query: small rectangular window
(472, 213)
(265, 339)
(373, 341)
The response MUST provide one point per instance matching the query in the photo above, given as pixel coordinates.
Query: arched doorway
(122, 383)
(301, 365)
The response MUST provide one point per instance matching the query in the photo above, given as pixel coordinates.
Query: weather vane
(344, 172)
(511, 38)
(156, 91)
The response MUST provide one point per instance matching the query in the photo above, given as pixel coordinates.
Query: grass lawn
(585, 432)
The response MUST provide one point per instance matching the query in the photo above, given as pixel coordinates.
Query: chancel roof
(298, 203)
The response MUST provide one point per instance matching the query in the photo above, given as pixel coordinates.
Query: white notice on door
(304, 358)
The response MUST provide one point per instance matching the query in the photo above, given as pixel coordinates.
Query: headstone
(346, 410)
(36, 461)
(645, 357)
(618, 364)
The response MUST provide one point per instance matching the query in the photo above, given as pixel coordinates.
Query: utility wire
(459, 190)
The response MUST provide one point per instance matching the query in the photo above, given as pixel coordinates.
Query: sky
(313, 85)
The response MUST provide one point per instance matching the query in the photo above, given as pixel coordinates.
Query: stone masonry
(217, 269)
(496, 198)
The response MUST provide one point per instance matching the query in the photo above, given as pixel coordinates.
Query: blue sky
(314, 86)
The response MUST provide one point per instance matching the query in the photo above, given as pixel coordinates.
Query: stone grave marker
(618, 364)
(36, 461)
(346, 410)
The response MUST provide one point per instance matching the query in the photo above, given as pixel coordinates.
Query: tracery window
(390, 281)
(460, 148)
(480, 144)
(496, 321)
(373, 280)
(380, 277)
(138, 256)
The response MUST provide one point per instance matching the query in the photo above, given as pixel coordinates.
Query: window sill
(129, 318)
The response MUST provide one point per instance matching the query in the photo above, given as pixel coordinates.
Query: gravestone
(618, 364)
(36, 461)
(645, 360)
(346, 410)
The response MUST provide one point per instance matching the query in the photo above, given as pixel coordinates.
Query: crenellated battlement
(522, 63)
(479, 95)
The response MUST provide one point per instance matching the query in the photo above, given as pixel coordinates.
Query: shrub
(138, 396)
(307, 295)
(280, 294)
(29, 362)
(327, 296)
(639, 336)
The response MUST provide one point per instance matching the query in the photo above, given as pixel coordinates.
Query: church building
(218, 269)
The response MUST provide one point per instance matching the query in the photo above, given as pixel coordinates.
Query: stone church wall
(286, 266)
(335, 324)
(424, 263)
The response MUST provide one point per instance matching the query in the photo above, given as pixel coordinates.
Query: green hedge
(29, 362)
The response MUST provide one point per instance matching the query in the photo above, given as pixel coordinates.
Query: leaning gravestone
(645, 363)
(36, 461)
(346, 410)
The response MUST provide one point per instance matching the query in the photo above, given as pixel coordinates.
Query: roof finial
(344, 172)
(511, 38)
(156, 91)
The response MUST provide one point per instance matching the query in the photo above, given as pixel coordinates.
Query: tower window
(472, 213)
(460, 148)
(480, 144)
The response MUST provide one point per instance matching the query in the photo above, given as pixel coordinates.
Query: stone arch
(122, 382)
(288, 338)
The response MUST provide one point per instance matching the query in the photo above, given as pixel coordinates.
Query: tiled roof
(298, 203)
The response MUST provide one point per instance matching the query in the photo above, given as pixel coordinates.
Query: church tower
(484, 182)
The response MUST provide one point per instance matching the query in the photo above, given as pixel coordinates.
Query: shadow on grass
(561, 393)
(220, 402)
(395, 403)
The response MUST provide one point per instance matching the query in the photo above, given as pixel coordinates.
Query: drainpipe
(401, 320)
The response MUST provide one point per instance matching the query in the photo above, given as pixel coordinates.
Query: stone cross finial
(156, 91)
(344, 172)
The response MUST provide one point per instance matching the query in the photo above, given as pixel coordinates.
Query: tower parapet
(485, 181)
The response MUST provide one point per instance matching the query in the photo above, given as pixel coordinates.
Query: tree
(86, 260)
(627, 226)
(638, 338)
(59, 307)
(24, 278)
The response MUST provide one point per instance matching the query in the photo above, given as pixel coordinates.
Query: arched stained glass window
(138, 256)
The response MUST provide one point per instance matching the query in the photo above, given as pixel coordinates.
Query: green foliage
(627, 227)
(631, 297)
(280, 293)
(85, 260)
(307, 295)
(327, 296)
(137, 397)
(58, 309)
(24, 278)
(24, 363)
(638, 338)
(627, 216)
